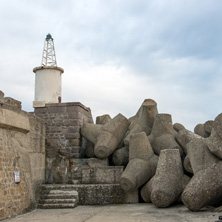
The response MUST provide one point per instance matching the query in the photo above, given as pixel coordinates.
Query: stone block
(74, 149)
(38, 175)
(73, 129)
(56, 109)
(101, 175)
(39, 110)
(70, 136)
(13, 120)
(12, 102)
(72, 109)
(40, 115)
(37, 104)
(73, 115)
(74, 142)
(78, 162)
(52, 129)
(37, 163)
(69, 122)
(95, 162)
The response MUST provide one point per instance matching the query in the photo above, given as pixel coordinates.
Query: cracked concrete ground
(124, 212)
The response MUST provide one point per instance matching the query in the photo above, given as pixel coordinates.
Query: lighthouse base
(37, 104)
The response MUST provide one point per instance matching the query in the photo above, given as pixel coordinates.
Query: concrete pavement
(124, 213)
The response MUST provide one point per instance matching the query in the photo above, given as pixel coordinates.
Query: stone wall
(63, 122)
(22, 149)
(63, 140)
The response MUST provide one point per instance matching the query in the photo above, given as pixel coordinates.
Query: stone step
(66, 192)
(95, 194)
(102, 175)
(60, 192)
(57, 201)
(57, 206)
(66, 187)
(58, 196)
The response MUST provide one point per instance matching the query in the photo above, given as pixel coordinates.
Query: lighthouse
(48, 77)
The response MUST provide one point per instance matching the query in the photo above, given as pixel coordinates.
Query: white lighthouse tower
(48, 77)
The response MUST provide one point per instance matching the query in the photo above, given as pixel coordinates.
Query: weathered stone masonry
(63, 140)
(63, 122)
(22, 149)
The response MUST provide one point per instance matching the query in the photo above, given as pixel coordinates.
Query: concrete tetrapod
(89, 147)
(177, 127)
(197, 150)
(143, 120)
(111, 135)
(146, 191)
(121, 156)
(199, 130)
(91, 131)
(142, 163)
(167, 182)
(103, 119)
(205, 186)
(133, 128)
(187, 165)
(214, 142)
(106, 137)
(147, 113)
(183, 137)
(163, 134)
(147, 188)
(208, 126)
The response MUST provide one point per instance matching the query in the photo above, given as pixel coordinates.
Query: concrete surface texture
(123, 213)
(106, 137)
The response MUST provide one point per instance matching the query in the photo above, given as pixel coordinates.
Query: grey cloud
(171, 48)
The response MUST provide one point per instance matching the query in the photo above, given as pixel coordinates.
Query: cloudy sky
(116, 53)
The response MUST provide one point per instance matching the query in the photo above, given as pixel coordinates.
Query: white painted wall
(48, 83)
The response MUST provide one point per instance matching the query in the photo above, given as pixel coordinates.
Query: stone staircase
(90, 194)
(93, 181)
(58, 198)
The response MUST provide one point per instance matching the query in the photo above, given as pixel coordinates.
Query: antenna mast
(48, 55)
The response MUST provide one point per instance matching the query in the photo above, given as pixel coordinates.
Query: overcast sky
(116, 53)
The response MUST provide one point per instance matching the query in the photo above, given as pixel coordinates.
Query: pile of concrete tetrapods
(165, 161)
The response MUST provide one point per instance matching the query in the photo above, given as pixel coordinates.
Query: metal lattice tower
(48, 55)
